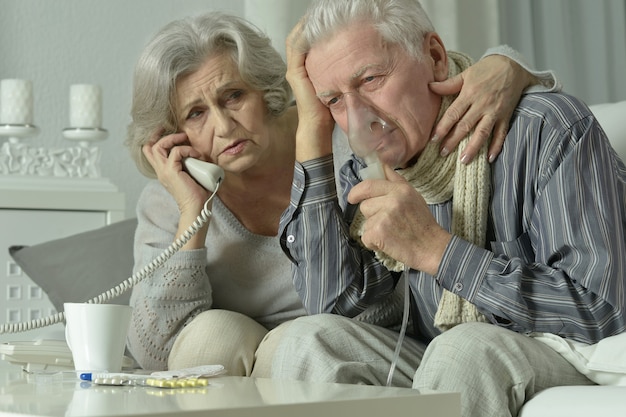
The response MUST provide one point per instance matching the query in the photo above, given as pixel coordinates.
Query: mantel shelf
(58, 193)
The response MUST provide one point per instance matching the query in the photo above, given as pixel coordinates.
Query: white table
(22, 394)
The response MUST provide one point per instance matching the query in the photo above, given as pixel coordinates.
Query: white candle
(16, 102)
(85, 106)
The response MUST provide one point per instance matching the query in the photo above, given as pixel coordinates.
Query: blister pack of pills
(179, 378)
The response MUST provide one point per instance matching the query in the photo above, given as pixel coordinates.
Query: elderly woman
(213, 88)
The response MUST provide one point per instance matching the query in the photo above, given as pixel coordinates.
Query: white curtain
(466, 26)
(584, 41)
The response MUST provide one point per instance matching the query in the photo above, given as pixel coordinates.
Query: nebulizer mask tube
(367, 127)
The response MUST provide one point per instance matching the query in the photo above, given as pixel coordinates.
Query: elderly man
(532, 243)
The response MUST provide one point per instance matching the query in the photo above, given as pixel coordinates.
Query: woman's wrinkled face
(224, 118)
(357, 63)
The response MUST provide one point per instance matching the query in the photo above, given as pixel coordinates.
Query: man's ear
(436, 51)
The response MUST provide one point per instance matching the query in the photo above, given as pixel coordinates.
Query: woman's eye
(234, 95)
(194, 114)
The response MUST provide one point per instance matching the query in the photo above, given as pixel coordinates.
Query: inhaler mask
(367, 127)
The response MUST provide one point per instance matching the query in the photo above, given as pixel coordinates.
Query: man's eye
(332, 101)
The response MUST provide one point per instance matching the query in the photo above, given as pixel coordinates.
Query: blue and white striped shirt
(555, 260)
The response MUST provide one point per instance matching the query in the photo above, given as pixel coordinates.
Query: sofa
(103, 258)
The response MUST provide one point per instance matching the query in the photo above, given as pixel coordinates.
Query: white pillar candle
(16, 102)
(85, 106)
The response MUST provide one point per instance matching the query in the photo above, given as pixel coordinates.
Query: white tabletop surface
(62, 394)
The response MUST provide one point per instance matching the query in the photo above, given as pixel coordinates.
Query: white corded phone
(206, 174)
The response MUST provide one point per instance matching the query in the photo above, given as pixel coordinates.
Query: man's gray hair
(179, 49)
(401, 22)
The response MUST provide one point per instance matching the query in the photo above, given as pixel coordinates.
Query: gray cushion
(82, 266)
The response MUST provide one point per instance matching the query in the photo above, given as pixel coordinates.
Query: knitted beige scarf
(438, 179)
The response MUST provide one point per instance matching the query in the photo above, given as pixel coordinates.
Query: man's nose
(362, 115)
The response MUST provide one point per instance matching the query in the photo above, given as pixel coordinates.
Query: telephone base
(43, 355)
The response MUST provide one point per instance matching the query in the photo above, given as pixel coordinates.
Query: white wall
(275, 17)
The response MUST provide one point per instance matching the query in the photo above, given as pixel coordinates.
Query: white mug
(96, 335)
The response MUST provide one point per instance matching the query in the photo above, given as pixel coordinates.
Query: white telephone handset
(206, 174)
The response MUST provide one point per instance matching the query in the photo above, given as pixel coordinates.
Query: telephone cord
(127, 284)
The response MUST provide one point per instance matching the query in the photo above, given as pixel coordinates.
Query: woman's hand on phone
(165, 154)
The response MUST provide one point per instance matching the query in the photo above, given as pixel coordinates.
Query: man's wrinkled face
(357, 63)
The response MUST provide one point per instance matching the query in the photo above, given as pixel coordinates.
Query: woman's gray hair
(180, 48)
(401, 22)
